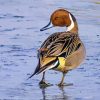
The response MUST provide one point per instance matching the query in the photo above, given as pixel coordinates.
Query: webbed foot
(43, 84)
(65, 84)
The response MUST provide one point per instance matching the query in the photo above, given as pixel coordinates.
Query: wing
(57, 45)
(60, 44)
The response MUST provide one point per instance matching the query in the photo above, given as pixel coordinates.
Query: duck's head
(62, 18)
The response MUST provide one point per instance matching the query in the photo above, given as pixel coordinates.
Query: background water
(20, 38)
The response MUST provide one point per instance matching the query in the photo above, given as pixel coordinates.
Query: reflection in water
(43, 93)
(61, 96)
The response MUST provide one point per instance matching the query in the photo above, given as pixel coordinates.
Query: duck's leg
(43, 79)
(62, 80)
(43, 83)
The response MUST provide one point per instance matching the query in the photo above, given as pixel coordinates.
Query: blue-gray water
(20, 38)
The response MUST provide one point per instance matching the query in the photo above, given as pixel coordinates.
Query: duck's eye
(56, 18)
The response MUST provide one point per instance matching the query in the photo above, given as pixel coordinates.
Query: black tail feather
(43, 68)
(31, 76)
(36, 70)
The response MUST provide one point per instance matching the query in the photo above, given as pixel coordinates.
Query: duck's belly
(72, 61)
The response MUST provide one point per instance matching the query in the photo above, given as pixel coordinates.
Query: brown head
(62, 18)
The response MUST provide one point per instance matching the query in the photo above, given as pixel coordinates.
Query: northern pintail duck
(61, 51)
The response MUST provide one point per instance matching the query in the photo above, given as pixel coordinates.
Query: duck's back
(60, 44)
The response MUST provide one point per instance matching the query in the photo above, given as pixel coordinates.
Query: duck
(61, 51)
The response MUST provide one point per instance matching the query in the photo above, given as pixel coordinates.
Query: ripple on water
(10, 16)
(19, 19)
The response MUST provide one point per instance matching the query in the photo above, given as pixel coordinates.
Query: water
(20, 38)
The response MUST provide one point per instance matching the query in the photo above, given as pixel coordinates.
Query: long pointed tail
(31, 76)
(50, 65)
(36, 70)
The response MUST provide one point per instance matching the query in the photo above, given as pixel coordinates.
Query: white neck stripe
(71, 25)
